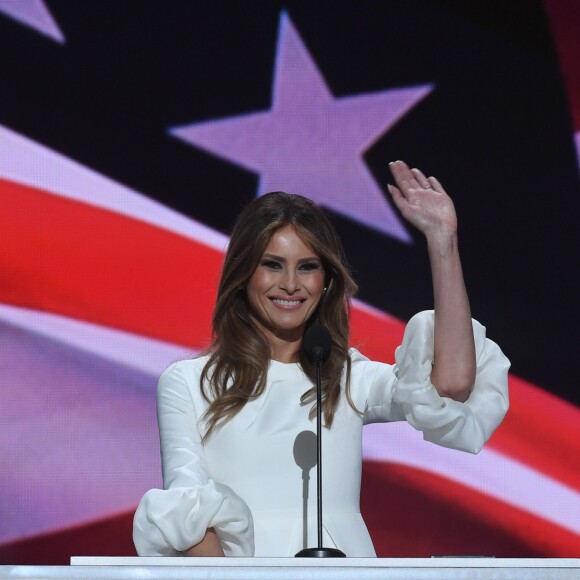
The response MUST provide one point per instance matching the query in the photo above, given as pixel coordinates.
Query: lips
(288, 304)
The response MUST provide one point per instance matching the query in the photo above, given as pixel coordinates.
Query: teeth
(286, 302)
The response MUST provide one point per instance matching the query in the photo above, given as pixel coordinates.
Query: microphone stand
(319, 552)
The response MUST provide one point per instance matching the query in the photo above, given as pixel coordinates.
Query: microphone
(316, 345)
(317, 342)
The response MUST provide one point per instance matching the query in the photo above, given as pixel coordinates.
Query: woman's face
(286, 287)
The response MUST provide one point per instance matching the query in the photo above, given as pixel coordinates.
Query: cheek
(258, 285)
(317, 285)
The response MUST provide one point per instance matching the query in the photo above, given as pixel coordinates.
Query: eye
(310, 266)
(271, 264)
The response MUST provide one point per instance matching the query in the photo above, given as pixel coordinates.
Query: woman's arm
(424, 203)
(188, 514)
(209, 547)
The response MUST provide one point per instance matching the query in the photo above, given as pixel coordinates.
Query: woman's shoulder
(356, 356)
(179, 384)
(185, 370)
(362, 367)
(187, 364)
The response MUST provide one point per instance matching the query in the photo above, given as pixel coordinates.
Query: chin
(287, 328)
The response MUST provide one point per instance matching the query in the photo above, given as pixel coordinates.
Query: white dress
(247, 481)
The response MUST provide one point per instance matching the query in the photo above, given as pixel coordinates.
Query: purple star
(35, 14)
(311, 142)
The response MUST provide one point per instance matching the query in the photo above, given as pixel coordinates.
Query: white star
(311, 142)
(34, 14)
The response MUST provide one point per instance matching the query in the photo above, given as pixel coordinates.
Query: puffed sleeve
(444, 421)
(173, 519)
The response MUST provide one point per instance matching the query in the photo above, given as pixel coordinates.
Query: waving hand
(425, 204)
(422, 200)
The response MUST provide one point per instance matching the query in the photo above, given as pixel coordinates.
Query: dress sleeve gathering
(173, 519)
(444, 421)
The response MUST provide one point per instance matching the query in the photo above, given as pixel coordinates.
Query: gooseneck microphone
(317, 342)
(316, 345)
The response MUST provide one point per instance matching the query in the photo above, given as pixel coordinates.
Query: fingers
(420, 178)
(436, 185)
(395, 194)
(399, 200)
(407, 178)
(403, 176)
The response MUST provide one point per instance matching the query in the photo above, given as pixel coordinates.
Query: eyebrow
(281, 259)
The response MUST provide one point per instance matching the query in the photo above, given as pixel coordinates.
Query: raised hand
(422, 200)
(424, 203)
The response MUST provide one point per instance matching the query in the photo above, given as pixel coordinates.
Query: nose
(289, 282)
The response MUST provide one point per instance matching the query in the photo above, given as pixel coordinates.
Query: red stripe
(66, 257)
(375, 334)
(69, 258)
(111, 536)
(565, 22)
(541, 431)
(421, 514)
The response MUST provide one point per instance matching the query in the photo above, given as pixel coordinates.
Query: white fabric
(245, 481)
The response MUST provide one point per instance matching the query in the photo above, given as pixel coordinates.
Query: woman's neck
(287, 352)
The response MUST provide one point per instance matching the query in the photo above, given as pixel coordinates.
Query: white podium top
(105, 568)
(435, 562)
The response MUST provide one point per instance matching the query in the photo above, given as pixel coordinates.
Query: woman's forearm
(209, 547)
(454, 365)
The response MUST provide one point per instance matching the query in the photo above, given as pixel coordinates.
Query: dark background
(496, 132)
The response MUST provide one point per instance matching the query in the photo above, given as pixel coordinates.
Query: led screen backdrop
(131, 134)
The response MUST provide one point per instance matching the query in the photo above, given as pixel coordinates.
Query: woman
(230, 421)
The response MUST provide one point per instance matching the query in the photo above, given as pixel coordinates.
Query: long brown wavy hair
(239, 355)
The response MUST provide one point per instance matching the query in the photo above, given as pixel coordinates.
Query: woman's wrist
(442, 243)
(208, 547)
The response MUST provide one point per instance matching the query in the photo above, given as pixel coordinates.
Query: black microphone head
(317, 342)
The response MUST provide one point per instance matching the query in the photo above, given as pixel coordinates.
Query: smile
(287, 303)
